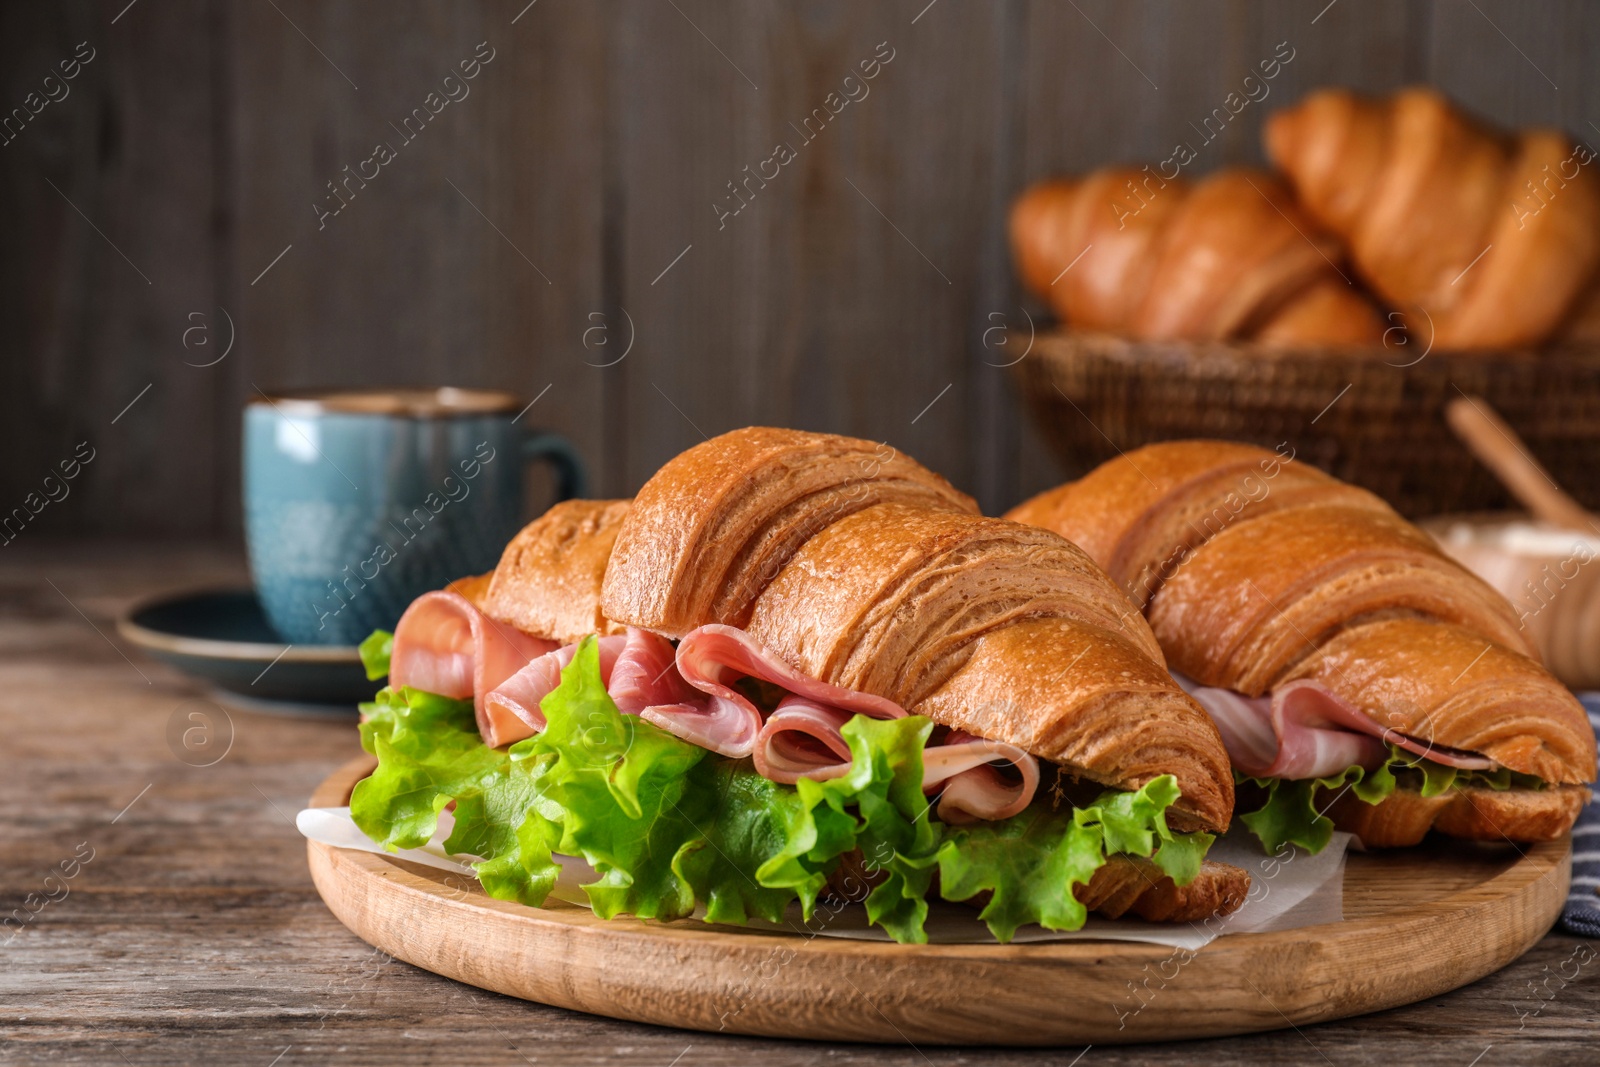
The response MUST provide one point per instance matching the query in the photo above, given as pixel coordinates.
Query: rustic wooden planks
(110, 222)
(870, 274)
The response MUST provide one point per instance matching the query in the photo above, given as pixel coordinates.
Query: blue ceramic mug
(355, 503)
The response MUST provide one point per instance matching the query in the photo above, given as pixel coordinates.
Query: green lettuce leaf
(612, 787)
(1289, 814)
(1436, 777)
(1502, 778)
(375, 652)
(1292, 815)
(879, 809)
(670, 827)
(1293, 811)
(749, 823)
(1180, 857)
(430, 755)
(1030, 864)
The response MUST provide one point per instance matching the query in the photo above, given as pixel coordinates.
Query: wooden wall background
(851, 293)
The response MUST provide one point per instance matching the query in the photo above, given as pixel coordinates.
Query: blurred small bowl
(1550, 574)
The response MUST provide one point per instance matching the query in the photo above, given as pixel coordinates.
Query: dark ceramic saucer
(223, 637)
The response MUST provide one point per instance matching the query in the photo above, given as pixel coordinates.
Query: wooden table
(193, 934)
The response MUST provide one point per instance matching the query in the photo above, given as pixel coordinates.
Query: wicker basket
(1359, 413)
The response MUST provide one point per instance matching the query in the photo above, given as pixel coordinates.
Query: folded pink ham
(636, 668)
(802, 739)
(1305, 730)
(976, 785)
(443, 644)
(711, 658)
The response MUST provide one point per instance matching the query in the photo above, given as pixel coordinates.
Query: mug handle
(556, 450)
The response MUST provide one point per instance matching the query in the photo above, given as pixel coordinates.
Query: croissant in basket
(815, 671)
(1231, 257)
(1486, 238)
(1346, 660)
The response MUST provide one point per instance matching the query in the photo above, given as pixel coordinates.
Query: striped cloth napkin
(1582, 914)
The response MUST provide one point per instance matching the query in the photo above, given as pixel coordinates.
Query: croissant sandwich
(1361, 679)
(800, 667)
(1231, 257)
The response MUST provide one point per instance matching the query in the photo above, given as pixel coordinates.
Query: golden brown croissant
(1258, 573)
(1259, 596)
(1487, 236)
(883, 600)
(883, 580)
(549, 577)
(999, 630)
(710, 529)
(1131, 885)
(1127, 252)
(1085, 698)
(1474, 813)
(1448, 684)
(1140, 519)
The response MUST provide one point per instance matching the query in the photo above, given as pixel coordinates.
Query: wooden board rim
(694, 976)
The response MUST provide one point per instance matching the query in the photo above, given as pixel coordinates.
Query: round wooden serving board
(1418, 922)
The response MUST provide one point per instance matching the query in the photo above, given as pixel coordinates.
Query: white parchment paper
(1288, 889)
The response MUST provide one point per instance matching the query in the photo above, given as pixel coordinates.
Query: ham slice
(514, 704)
(635, 667)
(802, 739)
(444, 645)
(646, 674)
(1305, 730)
(711, 658)
(974, 787)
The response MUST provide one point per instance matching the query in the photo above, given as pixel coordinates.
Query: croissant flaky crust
(1476, 814)
(1449, 686)
(711, 528)
(884, 600)
(1245, 559)
(1261, 595)
(1255, 570)
(1091, 700)
(1131, 885)
(549, 578)
(1140, 519)
(1488, 238)
(1228, 258)
(883, 579)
